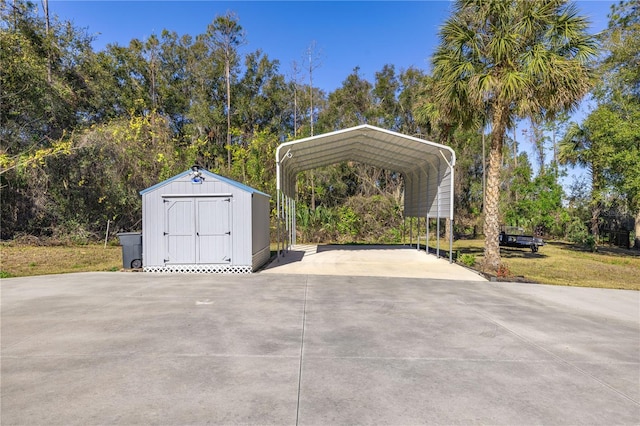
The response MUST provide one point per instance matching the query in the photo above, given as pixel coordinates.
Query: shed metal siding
(260, 230)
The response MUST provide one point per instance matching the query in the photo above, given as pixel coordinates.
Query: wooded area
(83, 131)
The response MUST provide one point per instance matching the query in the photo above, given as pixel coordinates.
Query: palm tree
(502, 60)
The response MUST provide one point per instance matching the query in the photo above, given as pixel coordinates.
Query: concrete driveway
(131, 348)
(369, 260)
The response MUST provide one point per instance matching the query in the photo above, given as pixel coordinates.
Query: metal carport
(426, 167)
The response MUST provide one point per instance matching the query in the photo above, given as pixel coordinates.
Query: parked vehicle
(512, 236)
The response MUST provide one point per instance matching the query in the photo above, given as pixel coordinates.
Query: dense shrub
(376, 219)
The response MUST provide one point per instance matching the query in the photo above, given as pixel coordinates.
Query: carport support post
(438, 216)
(278, 224)
(285, 228)
(283, 223)
(427, 233)
(418, 217)
(295, 236)
(278, 193)
(426, 216)
(411, 219)
(451, 241)
(438, 237)
(451, 164)
(292, 216)
(404, 228)
(411, 231)
(289, 222)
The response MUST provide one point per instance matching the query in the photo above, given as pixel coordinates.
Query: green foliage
(578, 233)
(350, 105)
(534, 203)
(467, 259)
(376, 219)
(348, 221)
(611, 134)
(254, 162)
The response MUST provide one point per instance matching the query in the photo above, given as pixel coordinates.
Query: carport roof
(417, 159)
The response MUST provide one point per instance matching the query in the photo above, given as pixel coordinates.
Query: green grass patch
(5, 274)
(18, 260)
(562, 263)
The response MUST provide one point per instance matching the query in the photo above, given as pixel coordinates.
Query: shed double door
(197, 230)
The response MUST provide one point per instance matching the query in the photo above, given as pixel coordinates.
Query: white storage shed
(198, 221)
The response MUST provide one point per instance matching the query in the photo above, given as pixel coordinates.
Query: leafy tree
(619, 99)
(205, 118)
(175, 90)
(386, 109)
(227, 35)
(261, 97)
(349, 105)
(510, 59)
(534, 203)
(607, 141)
(621, 65)
(43, 97)
(584, 145)
(412, 82)
(468, 179)
(38, 101)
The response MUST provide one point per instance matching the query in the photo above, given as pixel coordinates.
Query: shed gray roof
(425, 165)
(209, 174)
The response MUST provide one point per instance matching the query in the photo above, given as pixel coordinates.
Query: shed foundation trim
(201, 269)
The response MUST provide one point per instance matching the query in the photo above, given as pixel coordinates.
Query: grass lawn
(563, 264)
(556, 263)
(23, 260)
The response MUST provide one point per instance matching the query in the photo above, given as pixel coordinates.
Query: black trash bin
(131, 243)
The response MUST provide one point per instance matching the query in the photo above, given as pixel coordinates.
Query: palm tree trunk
(492, 197)
(595, 216)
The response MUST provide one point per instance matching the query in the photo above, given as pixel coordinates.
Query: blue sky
(368, 34)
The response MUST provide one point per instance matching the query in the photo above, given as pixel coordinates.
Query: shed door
(180, 234)
(213, 233)
(197, 230)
